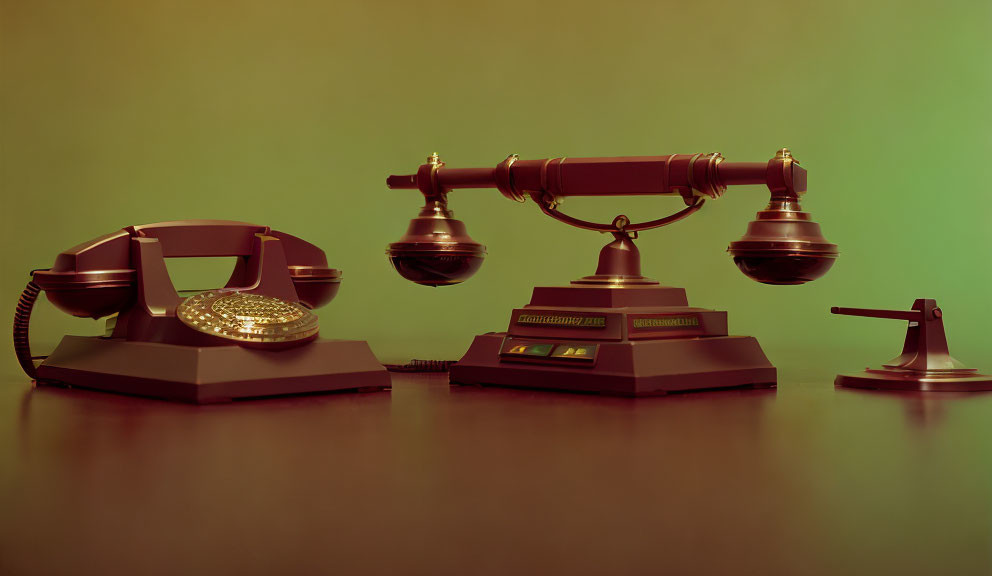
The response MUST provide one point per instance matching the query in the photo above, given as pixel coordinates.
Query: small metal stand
(925, 363)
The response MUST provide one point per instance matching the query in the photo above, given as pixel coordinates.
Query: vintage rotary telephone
(256, 336)
(635, 336)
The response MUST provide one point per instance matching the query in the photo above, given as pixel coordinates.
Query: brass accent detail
(785, 155)
(434, 161)
(248, 318)
(689, 173)
(621, 222)
(666, 322)
(504, 179)
(711, 186)
(564, 320)
(615, 281)
(553, 212)
(713, 171)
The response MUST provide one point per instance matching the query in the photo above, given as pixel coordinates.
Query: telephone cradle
(254, 337)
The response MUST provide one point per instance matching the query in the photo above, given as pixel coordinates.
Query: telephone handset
(263, 308)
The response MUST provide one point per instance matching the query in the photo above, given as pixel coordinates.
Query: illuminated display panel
(575, 351)
(530, 349)
(550, 351)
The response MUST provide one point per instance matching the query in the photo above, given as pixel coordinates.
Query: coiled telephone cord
(22, 318)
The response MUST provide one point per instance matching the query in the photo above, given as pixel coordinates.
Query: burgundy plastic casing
(152, 351)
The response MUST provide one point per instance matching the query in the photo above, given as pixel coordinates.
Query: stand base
(913, 380)
(624, 368)
(209, 374)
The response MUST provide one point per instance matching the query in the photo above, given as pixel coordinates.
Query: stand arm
(685, 174)
(925, 347)
(911, 315)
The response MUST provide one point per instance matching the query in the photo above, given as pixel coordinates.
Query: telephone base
(630, 341)
(623, 368)
(210, 374)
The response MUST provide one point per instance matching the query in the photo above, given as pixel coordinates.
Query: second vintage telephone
(215, 345)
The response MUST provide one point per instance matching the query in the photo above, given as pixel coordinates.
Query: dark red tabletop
(428, 479)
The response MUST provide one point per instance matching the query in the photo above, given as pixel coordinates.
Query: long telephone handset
(125, 273)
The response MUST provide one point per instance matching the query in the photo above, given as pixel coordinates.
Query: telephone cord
(22, 318)
(421, 366)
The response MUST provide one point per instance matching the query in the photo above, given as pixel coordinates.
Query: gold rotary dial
(248, 318)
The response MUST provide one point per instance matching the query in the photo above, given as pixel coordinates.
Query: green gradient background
(292, 115)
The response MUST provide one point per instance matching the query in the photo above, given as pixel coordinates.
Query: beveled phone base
(632, 341)
(648, 368)
(211, 374)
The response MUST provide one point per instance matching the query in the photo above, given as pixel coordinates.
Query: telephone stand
(925, 363)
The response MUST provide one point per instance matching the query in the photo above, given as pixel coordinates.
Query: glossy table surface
(428, 479)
